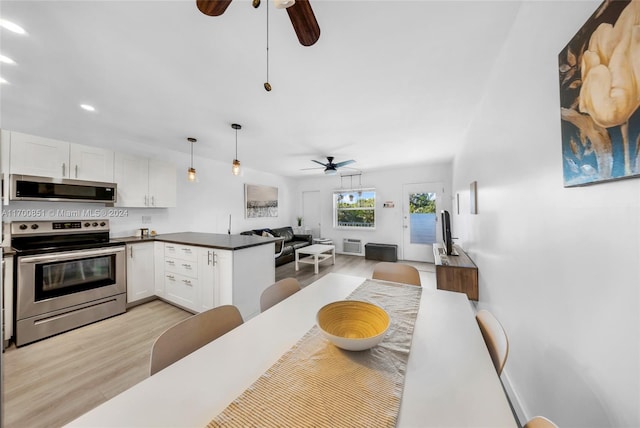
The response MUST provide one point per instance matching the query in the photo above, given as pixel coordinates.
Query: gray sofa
(288, 245)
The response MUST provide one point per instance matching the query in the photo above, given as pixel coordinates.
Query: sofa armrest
(308, 238)
(279, 247)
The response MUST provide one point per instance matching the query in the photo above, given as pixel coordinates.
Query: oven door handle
(59, 257)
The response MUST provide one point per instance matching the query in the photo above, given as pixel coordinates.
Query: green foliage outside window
(355, 209)
(422, 203)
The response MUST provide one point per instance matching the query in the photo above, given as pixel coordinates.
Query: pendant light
(191, 172)
(235, 168)
(267, 85)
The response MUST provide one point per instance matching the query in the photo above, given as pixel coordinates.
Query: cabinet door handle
(76, 171)
(131, 252)
(209, 257)
(146, 201)
(64, 169)
(153, 201)
(187, 250)
(215, 258)
(171, 262)
(186, 266)
(171, 277)
(186, 281)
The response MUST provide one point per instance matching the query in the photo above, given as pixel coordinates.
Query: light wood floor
(51, 382)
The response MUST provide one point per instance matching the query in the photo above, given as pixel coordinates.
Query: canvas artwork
(600, 96)
(260, 201)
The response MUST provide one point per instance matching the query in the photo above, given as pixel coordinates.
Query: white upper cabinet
(144, 182)
(31, 155)
(44, 157)
(162, 184)
(131, 173)
(90, 163)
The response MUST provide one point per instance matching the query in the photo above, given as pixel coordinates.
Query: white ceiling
(388, 83)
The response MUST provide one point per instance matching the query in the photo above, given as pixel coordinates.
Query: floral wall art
(600, 96)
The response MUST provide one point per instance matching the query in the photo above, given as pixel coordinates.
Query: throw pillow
(267, 234)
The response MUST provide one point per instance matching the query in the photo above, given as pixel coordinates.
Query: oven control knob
(95, 224)
(34, 226)
(23, 226)
(87, 224)
(103, 224)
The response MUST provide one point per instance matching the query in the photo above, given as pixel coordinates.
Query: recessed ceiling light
(12, 27)
(87, 107)
(6, 60)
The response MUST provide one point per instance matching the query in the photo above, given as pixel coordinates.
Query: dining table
(449, 380)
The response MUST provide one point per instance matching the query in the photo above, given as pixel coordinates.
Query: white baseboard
(516, 401)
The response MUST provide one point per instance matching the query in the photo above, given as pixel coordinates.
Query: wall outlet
(146, 219)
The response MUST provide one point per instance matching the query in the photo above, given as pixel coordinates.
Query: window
(354, 209)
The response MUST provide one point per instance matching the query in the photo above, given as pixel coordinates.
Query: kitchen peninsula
(199, 271)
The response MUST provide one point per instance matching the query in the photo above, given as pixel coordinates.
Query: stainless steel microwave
(33, 188)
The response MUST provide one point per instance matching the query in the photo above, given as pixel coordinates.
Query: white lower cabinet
(200, 278)
(140, 271)
(192, 275)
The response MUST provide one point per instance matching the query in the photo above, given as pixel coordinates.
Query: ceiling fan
(299, 11)
(331, 168)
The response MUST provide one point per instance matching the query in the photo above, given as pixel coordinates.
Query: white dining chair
(277, 292)
(396, 272)
(191, 334)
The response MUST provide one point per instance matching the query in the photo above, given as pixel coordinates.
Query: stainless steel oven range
(68, 274)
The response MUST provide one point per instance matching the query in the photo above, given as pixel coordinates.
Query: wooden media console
(456, 273)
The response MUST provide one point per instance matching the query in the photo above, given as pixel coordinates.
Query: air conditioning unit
(352, 246)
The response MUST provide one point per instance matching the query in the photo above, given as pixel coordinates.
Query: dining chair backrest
(494, 337)
(396, 272)
(191, 334)
(277, 292)
(540, 422)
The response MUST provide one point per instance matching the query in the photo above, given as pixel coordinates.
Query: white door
(311, 212)
(420, 220)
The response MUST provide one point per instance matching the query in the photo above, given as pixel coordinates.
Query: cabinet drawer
(181, 267)
(181, 290)
(183, 252)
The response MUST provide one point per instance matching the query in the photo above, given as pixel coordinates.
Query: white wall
(388, 185)
(559, 267)
(203, 206)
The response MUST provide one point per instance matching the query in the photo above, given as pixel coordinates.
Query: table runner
(317, 384)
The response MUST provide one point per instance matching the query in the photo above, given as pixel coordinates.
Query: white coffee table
(316, 253)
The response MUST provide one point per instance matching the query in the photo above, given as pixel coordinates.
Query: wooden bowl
(353, 325)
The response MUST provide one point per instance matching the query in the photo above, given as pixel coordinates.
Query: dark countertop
(209, 240)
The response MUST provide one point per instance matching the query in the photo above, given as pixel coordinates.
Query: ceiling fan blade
(304, 22)
(212, 7)
(343, 163)
(318, 162)
(307, 169)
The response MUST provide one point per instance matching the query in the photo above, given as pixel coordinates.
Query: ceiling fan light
(330, 171)
(283, 4)
(235, 168)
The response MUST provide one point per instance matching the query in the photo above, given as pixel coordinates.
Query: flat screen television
(446, 233)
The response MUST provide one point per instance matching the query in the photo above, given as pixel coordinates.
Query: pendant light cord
(236, 144)
(268, 41)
